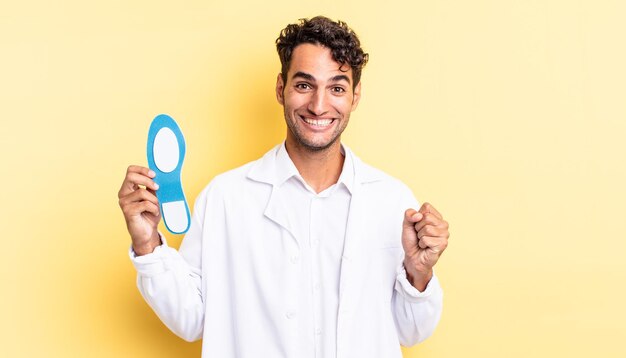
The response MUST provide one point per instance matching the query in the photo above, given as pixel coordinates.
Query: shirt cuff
(153, 263)
(412, 294)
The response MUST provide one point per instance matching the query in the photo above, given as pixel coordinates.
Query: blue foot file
(166, 153)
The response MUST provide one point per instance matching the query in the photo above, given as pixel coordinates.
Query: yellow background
(509, 116)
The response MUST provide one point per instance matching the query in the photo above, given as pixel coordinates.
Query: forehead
(317, 61)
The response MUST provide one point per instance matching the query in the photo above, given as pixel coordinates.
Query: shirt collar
(285, 168)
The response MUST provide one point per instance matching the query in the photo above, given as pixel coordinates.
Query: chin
(316, 147)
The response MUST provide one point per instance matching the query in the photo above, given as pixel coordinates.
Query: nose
(318, 102)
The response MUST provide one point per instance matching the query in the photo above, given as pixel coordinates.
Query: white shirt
(247, 274)
(320, 221)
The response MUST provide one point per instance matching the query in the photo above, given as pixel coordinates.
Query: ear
(280, 88)
(356, 96)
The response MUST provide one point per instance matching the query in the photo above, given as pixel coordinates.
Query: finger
(140, 179)
(140, 170)
(411, 216)
(138, 196)
(430, 230)
(132, 182)
(138, 208)
(430, 219)
(435, 244)
(428, 208)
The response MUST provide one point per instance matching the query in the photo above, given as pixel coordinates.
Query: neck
(319, 169)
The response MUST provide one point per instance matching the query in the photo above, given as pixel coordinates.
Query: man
(306, 252)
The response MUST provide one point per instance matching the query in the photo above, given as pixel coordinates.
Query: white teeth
(318, 122)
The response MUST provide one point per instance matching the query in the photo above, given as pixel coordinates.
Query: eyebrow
(340, 78)
(304, 75)
(310, 77)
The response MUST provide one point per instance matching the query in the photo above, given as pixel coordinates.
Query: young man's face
(317, 97)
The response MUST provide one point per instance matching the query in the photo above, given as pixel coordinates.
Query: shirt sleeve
(416, 314)
(412, 294)
(170, 281)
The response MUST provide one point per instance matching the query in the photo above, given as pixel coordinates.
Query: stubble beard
(308, 145)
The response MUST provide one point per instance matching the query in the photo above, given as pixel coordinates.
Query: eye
(303, 86)
(338, 89)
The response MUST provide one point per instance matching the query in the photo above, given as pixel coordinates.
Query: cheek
(295, 101)
(343, 105)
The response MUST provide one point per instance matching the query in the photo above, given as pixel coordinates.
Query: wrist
(147, 247)
(417, 275)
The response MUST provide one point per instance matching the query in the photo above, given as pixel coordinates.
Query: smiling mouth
(318, 122)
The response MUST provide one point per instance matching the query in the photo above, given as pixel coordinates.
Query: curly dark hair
(343, 43)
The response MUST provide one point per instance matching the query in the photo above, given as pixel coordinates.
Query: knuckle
(145, 193)
(141, 193)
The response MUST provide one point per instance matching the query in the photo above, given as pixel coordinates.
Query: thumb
(411, 216)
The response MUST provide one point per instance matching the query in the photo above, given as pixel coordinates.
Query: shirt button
(294, 259)
(291, 315)
(316, 287)
(318, 331)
